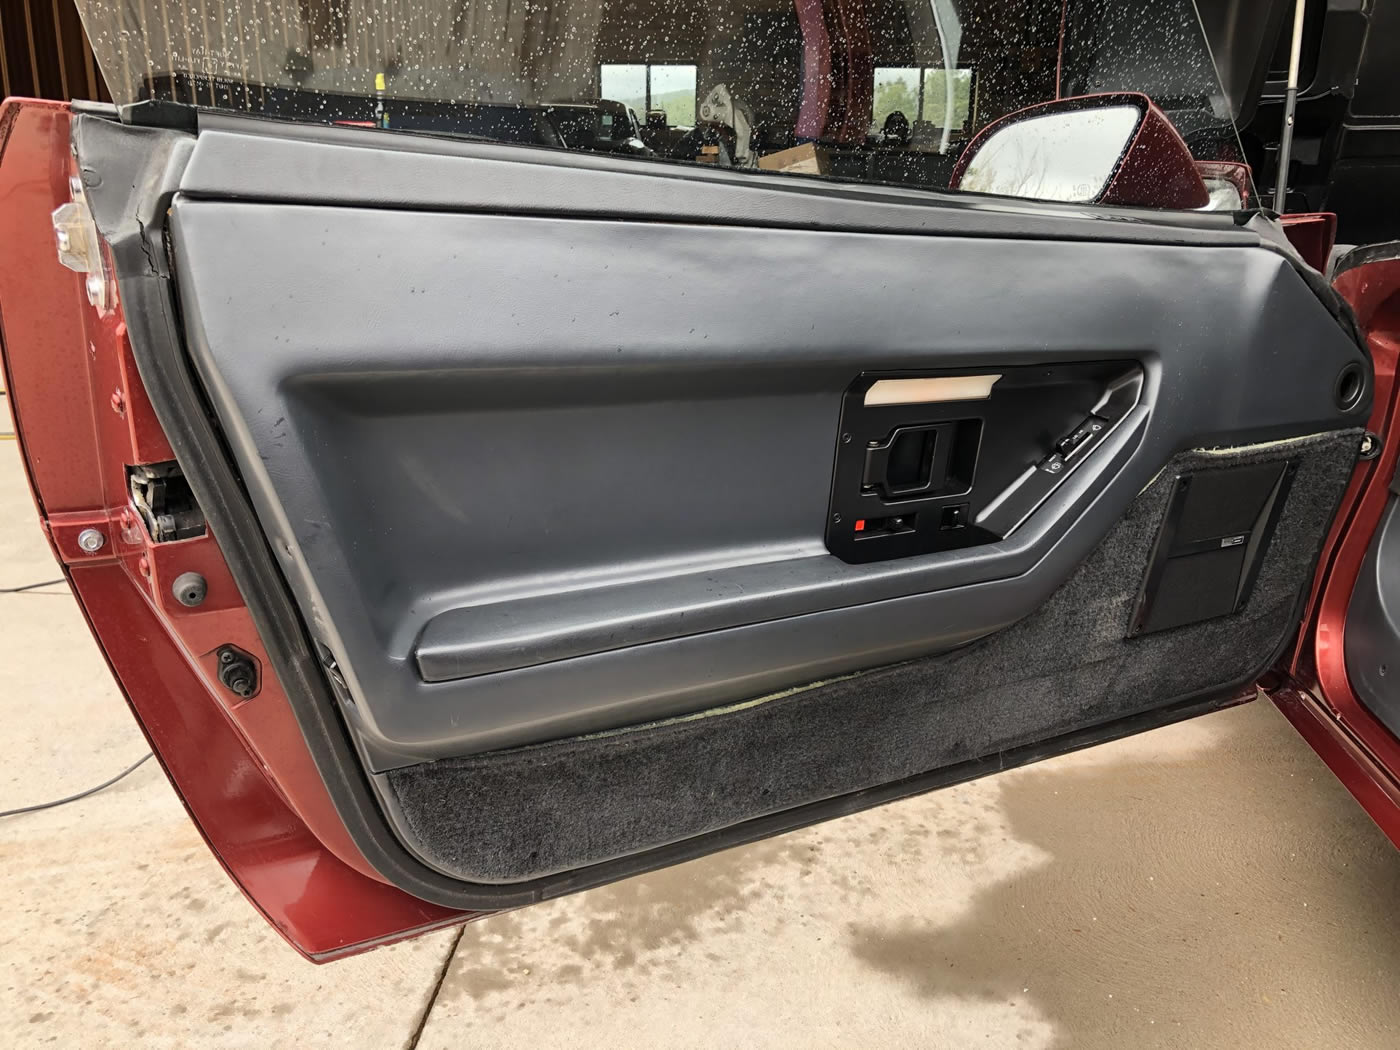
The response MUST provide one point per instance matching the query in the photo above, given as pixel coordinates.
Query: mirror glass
(1055, 157)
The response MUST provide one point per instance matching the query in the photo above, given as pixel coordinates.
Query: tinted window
(884, 90)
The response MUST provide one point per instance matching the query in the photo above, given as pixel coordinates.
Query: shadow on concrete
(1190, 902)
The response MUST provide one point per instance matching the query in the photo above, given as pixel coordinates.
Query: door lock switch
(1089, 430)
(896, 525)
(953, 517)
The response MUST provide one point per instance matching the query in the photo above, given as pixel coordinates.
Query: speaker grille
(1216, 530)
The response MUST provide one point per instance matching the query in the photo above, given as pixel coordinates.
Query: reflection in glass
(1055, 157)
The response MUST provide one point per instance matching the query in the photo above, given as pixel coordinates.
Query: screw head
(836, 519)
(91, 540)
(118, 402)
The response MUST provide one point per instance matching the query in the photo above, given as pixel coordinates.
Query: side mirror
(1116, 148)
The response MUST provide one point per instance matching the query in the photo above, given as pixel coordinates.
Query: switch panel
(941, 474)
(1081, 436)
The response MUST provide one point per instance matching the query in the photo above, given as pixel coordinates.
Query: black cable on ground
(31, 586)
(81, 794)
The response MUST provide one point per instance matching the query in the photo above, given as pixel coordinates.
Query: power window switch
(1088, 430)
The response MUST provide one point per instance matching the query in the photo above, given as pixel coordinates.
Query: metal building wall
(46, 54)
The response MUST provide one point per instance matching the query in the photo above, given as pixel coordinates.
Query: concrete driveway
(1204, 885)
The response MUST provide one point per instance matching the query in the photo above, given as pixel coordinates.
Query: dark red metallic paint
(1158, 170)
(82, 415)
(1315, 694)
(1313, 234)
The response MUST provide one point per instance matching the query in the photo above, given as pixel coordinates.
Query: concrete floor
(1204, 885)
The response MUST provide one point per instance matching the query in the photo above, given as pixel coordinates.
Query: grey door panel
(542, 451)
(540, 477)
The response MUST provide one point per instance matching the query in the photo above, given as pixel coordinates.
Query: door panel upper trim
(247, 158)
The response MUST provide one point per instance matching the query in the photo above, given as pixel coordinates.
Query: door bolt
(96, 291)
(238, 671)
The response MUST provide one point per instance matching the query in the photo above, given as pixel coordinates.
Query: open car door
(1338, 687)
(469, 524)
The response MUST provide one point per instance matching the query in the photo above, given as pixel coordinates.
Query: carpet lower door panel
(521, 813)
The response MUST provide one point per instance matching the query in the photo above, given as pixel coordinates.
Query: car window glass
(887, 91)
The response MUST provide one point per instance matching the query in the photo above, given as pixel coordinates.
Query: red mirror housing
(1155, 169)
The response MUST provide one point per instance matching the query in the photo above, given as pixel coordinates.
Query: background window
(655, 85)
(626, 84)
(919, 93)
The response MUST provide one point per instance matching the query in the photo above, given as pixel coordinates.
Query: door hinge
(162, 497)
(80, 246)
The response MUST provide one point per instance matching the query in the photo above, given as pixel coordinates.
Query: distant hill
(679, 106)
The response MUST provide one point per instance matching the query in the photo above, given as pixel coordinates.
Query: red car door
(469, 521)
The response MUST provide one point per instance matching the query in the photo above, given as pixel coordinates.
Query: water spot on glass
(892, 94)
